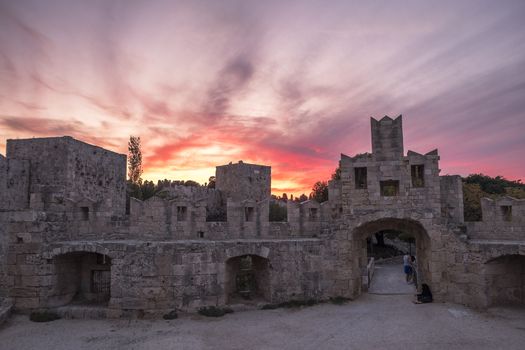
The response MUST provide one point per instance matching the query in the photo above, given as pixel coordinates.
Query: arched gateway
(410, 227)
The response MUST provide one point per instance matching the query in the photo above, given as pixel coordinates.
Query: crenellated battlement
(67, 229)
(387, 137)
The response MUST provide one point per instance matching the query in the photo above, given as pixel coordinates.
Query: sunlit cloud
(288, 84)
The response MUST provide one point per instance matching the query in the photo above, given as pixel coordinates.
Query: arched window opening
(82, 278)
(247, 279)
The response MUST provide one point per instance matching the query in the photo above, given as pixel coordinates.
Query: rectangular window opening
(418, 175)
(312, 214)
(182, 213)
(389, 188)
(84, 213)
(360, 178)
(249, 213)
(102, 259)
(506, 212)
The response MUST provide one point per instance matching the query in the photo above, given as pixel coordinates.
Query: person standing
(413, 265)
(407, 269)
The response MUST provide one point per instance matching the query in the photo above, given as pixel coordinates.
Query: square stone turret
(387, 138)
(62, 168)
(242, 181)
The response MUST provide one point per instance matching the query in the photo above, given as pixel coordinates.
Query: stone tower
(242, 181)
(387, 138)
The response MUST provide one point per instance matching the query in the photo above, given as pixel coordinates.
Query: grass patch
(43, 316)
(214, 311)
(172, 315)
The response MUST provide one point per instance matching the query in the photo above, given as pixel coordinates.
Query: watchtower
(387, 138)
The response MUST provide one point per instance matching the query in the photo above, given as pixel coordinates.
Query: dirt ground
(371, 322)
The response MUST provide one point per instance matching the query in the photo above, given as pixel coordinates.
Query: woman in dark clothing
(425, 296)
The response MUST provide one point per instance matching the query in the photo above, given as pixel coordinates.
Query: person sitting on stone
(425, 296)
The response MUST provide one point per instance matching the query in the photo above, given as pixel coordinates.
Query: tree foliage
(211, 182)
(493, 185)
(134, 160)
(147, 189)
(320, 188)
(337, 174)
(477, 186)
(320, 191)
(278, 212)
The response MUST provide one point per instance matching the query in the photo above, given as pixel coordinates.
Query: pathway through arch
(389, 279)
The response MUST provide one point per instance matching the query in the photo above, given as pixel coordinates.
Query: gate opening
(247, 279)
(82, 278)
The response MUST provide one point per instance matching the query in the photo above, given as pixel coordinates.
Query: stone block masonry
(67, 239)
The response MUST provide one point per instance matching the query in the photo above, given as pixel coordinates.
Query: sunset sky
(291, 84)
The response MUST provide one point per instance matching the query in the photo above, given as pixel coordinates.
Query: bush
(277, 212)
(213, 311)
(171, 315)
(339, 300)
(43, 316)
(269, 307)
(298, 303)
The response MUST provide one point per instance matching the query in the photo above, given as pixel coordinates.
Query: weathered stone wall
(97, 174)
(473, 281)
(165, 254)
(499, 222)
(452, 198)
(3, 181)
(184, 274)
(48, 159)
(211, 198)
(243, 181)
(64, 168)
(506, 278)
(387, 138)
(503, 210)
(14, 184)
(3, 255)
(158, 218)
(370, 198)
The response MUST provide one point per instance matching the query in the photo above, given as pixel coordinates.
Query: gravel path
(372, 321)
(390, 279)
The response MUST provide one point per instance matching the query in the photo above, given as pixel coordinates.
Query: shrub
(214, 311)
(298, 303)
(269, 307)
(171, 315)
(43, 316)
(339, 300)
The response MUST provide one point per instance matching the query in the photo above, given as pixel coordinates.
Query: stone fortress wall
(67, 235)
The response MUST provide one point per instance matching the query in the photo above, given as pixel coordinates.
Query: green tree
(278, 212)
(134, 160)
(337, 174)
(320, 191)
(302, 198)
(211, 182)
(477, 186)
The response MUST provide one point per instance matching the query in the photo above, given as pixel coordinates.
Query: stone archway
(81, 277)
(504, 278)
(247, 279)
(409, 226)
